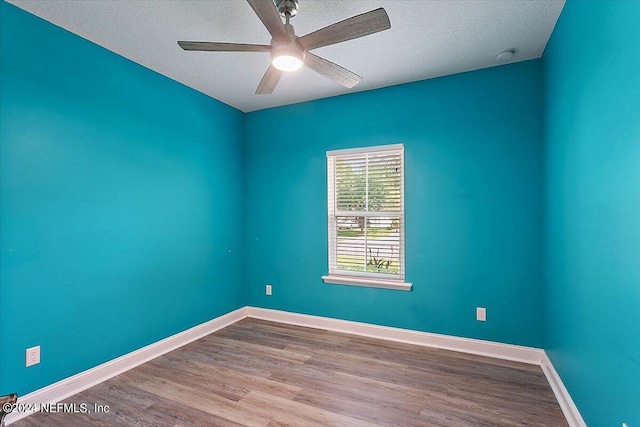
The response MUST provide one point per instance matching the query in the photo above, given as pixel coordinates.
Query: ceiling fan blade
(349, 29)
(331, 70)
(224, 47)
(270, 17)
(269, 81)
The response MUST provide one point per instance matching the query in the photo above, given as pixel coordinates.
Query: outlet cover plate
(33, 356)
(268, 289)
(481, 314)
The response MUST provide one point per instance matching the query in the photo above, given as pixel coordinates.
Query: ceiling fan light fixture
(287, 62)
(288, 57)
(290, 52)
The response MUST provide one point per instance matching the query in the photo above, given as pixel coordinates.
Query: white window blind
(366, 212)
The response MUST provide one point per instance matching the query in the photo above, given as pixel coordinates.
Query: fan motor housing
(287, 7)
(291, 48)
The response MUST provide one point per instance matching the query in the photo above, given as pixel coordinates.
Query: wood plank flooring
(263, 374)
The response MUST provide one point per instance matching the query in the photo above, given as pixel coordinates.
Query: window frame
(356, 278)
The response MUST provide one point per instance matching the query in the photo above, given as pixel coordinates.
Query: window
(366, 217)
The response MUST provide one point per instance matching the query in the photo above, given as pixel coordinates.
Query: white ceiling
(427, 39)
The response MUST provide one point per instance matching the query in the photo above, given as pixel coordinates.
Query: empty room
(320, 213)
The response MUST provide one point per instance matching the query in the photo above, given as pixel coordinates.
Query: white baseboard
(75, 384)
(447, 342)
(569, 409)
(68, 387)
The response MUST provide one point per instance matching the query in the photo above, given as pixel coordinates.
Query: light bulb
(287, 62)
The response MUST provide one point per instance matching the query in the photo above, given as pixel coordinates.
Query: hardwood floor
(258, 373)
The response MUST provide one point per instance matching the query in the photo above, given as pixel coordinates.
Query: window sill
(367, 282)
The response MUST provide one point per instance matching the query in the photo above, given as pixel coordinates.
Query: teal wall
(121, 208)
(123, 197)
(473, 172)
(592, 294)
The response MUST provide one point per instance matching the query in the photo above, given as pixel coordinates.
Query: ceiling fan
(290, 52)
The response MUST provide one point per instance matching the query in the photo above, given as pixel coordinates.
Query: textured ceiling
(427, 39)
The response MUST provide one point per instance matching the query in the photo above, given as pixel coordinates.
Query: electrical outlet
(481, 314)
(268, 289)
(33, 356)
